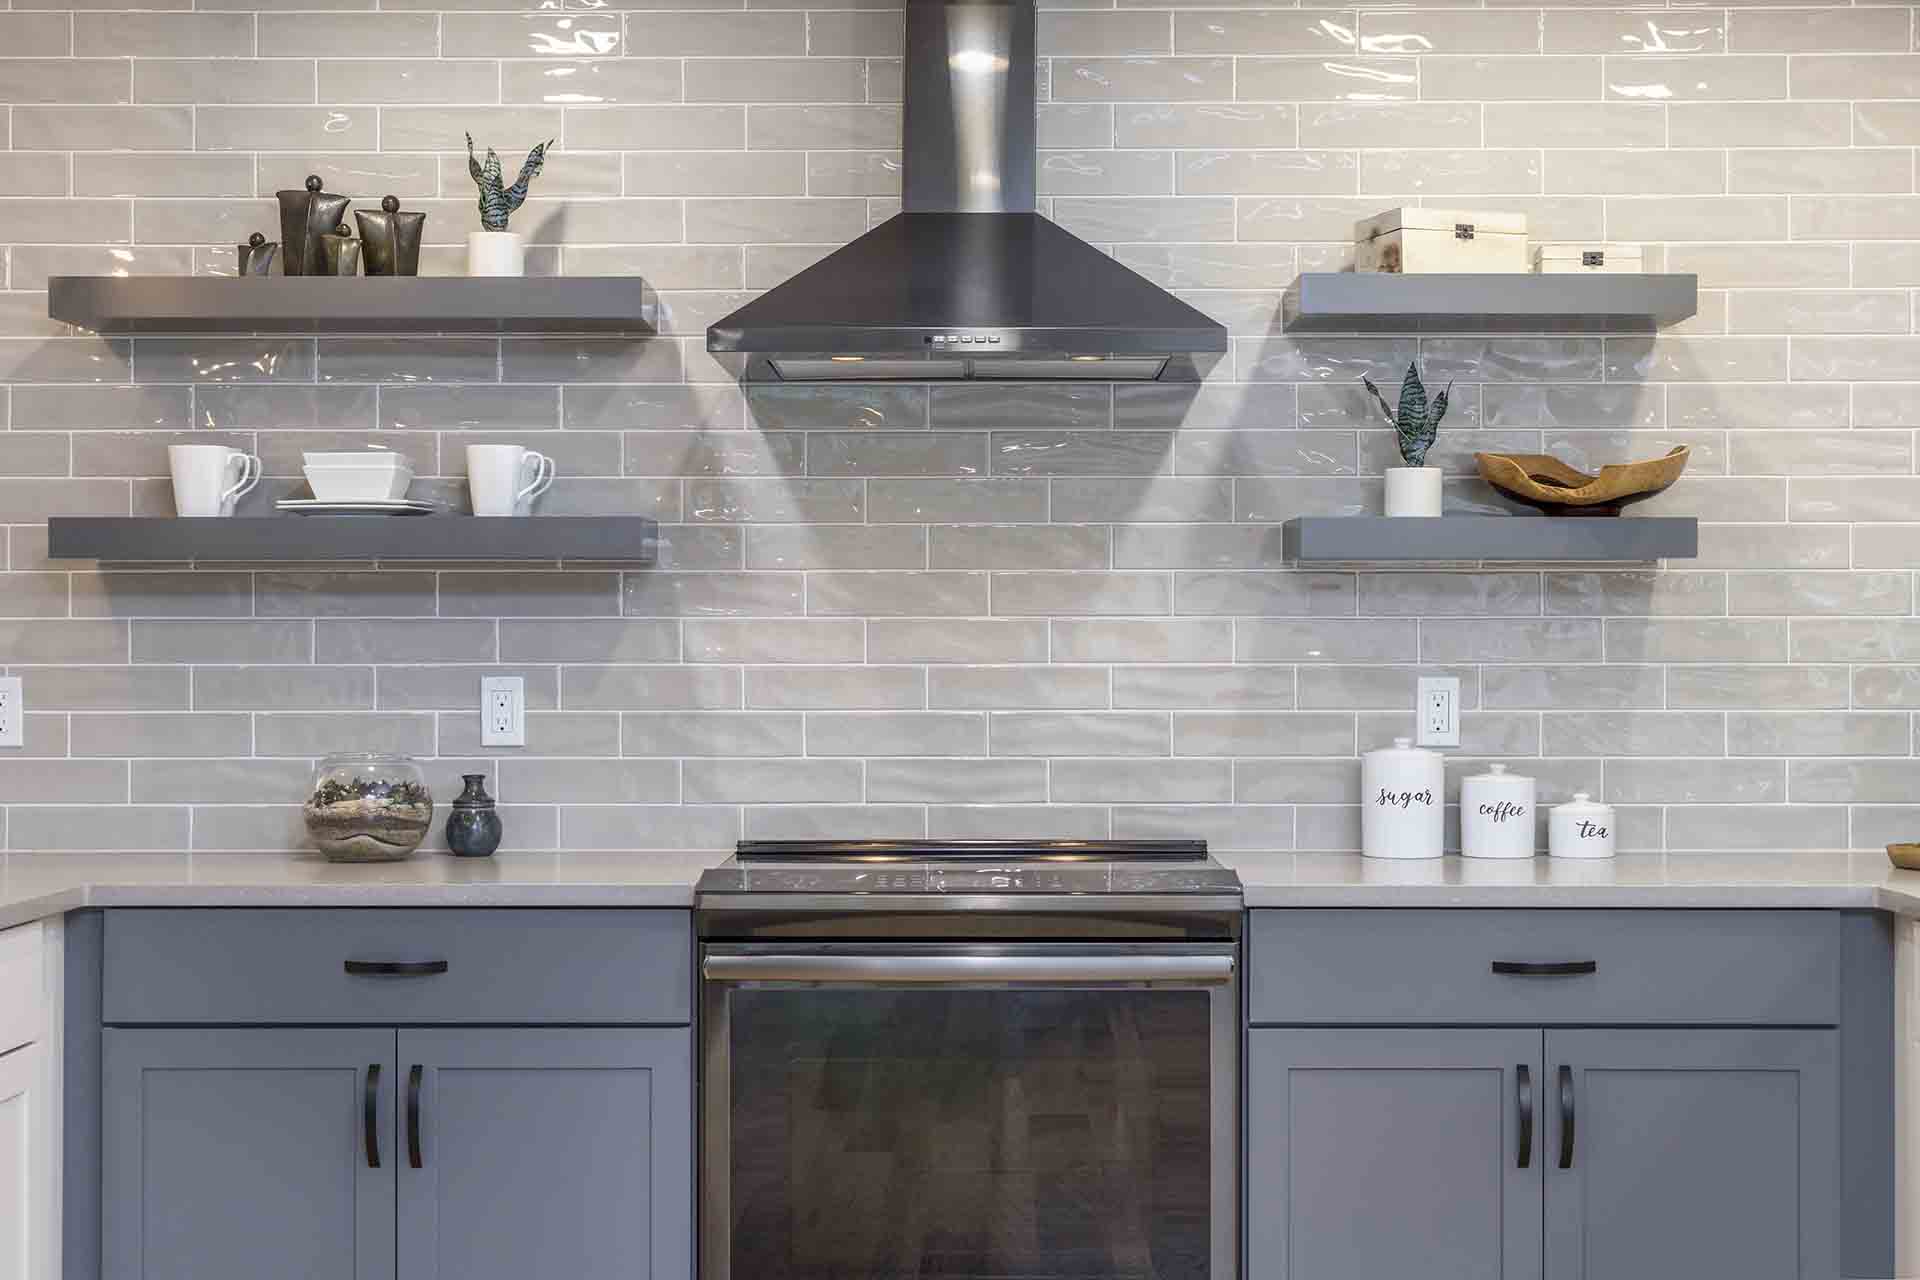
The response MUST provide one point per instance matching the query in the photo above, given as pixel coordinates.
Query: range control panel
(964, 339)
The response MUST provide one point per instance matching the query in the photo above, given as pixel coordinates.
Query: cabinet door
(26, 1127)
(1376, 1153)
(236, 1154)
(549, 1152)
(1692, 1153)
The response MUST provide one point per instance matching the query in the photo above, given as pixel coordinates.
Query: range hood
(968, 281)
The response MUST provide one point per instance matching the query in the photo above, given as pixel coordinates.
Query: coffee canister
(1496, 814)
(1580, 828)
(1402, 802)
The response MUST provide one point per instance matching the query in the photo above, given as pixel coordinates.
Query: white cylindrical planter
(1580, 829)
(1413, 491)
(496, 253)
(1402, 802)
(1496, 814)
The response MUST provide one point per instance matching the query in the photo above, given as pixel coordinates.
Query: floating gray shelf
(296, 537)
(1315, 539)
(1359, 301)
(352, 304)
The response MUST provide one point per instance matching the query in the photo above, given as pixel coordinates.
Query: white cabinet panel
(23, 996)
(29, 1109)
(24, 1128)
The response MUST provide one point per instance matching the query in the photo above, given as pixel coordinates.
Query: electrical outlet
(503, 711)
(13, 713)
(1437, 711)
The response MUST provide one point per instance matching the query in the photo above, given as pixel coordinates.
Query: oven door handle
(963, 970)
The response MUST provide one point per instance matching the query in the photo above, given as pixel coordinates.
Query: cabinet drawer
(1686, 967)
(500, 965)
(23, 1012)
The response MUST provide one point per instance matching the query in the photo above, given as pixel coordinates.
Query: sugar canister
(1402, 802)
(1496, 814)
(1580, 828)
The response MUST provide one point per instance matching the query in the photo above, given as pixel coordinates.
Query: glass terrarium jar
(367, 807)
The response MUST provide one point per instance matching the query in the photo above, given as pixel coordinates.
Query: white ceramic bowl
(359, 484)
(360, 458)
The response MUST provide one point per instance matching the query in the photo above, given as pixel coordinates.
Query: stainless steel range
(970, 1060)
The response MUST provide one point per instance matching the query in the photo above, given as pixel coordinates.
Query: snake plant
(1416, 422)
(497, 203)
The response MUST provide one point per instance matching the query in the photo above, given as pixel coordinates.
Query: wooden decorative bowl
(1542, 480)
(1904, 856)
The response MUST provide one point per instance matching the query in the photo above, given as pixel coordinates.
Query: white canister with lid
(1580, 828)
(1496, 814)
(1402, 802)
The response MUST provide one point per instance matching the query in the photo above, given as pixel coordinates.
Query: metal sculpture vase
(391, 239)
(340, 255)
(257, 255)
(305, 216)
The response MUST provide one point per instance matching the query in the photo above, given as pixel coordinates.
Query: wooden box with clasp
(1424, 241)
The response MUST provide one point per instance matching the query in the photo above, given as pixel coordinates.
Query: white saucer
(395, 507)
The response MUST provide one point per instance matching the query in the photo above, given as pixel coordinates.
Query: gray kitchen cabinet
(1692, 1153)
(1660, 1153)
(1684, 1076)
(485, 1094)
(231, 1154)
(546, 1152)
(1375, 1152)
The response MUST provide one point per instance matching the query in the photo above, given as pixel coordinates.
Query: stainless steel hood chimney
(968, 281)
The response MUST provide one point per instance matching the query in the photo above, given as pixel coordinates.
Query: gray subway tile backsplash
(980, 609)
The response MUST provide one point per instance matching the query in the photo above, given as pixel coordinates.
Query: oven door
(1045, 1111)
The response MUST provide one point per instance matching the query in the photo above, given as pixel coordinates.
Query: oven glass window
(969, 1134)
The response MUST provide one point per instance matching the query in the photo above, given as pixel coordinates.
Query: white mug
(504, 479)
(209, 478)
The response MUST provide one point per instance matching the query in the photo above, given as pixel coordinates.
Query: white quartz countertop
(1751, 880)
(33, 885)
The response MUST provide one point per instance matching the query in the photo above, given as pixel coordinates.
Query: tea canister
(1580, 828)
(1496, 814)
(1402, 802)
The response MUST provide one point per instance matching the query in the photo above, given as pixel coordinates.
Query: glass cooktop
(972, 867)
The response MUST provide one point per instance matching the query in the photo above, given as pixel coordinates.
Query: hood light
(1086, 359)
(846, 359)
(976, 62)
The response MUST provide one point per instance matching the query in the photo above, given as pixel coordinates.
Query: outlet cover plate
(503, 711)
(1436, 709)
(13, 713)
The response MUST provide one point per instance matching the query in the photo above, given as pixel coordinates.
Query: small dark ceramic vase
(473, 828)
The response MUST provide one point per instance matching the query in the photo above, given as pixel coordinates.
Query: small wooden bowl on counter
(1904, 856)
(1542, 480)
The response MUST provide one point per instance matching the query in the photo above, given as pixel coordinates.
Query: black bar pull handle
(1525, 1074)
(371, 1119)
(1551, 969)
(413, 1116)
(1566, 1117)
(396, 968)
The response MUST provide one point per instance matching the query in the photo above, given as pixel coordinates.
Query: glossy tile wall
(990, 610)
